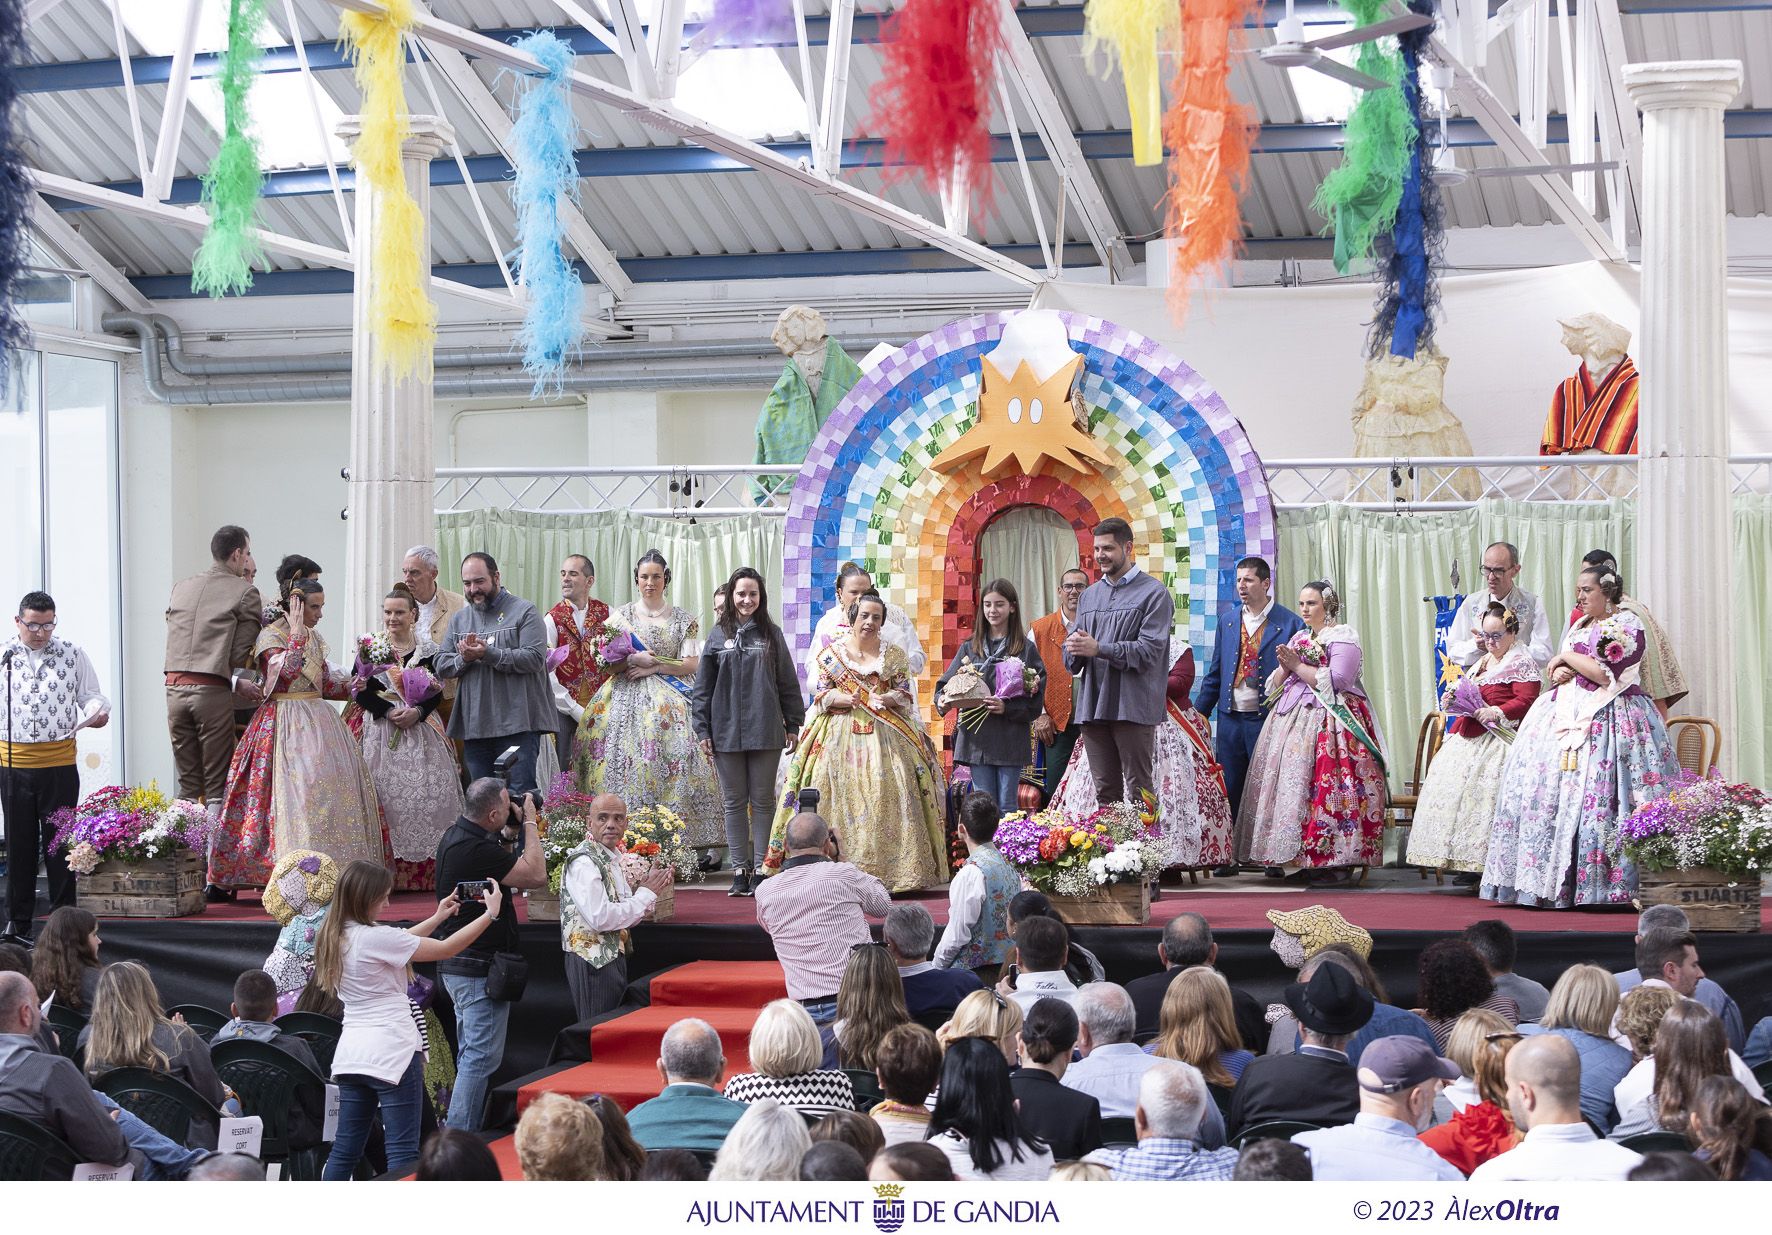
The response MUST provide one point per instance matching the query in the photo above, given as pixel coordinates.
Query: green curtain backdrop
(530, 545)
(1031, 547)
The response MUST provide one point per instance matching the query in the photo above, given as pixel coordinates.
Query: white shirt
(1535, 629)
(427, 612)
(897, 631)
(1030, 988)
(1632, 1095)
(1373, 1147)
(379, 1037)
(563, 699)
(965, 903)
(1248, 698)
(1032, 1167)
(1559, 1151)
(583, 882)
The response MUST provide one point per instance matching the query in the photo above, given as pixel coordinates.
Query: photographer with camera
(816, 911)
(489, 844)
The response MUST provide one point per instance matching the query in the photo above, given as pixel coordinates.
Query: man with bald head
(816, 910)
(597, 908)
(1544, 1095)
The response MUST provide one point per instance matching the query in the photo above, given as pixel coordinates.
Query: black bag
(507, 977)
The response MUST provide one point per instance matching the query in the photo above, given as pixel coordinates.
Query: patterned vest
(595, 948)
(579, 672)
(45, 705)
(990, 934)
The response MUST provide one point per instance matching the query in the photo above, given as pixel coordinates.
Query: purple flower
(310, 864)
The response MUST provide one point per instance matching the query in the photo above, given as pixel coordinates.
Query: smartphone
(469, 890)
(1010, 976)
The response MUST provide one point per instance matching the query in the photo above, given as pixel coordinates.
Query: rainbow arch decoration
(1182, 472)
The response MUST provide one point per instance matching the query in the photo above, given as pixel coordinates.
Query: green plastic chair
(268, 1083)
(163, 1102)
(28, 1153)
(1118, 1132)
(204, 1021)
(67, 1024)
(868, 1094)
(1272, 1130)
(321, 1033)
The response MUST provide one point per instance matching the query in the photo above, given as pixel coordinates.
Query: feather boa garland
(1359, 198)
(231, 186)
(745, 23)
(15, 188)
(542, 149)
(1208, 135)
(932, 104)
(1134, 29)
(402, 319)
(1410, 293)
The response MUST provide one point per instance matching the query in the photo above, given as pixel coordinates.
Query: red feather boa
(932, 104)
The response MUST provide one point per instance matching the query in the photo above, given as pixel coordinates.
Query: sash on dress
(851, 683)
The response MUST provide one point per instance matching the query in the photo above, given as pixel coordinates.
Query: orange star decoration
(1027, 421)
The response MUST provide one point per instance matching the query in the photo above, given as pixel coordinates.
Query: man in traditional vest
(977, 934)
(597, 908)
(51, 691)
(576, 623)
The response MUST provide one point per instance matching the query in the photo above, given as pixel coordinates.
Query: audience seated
(1112, 1064)
(559, 1139)
(1270, 1161)
(815, 911)
(64, 960)
(1544, 1096)
(1657, 1094)
(909, 933)
(975, 1122)
(1452, 979)
(622, 1156)
(1582, 1008)
(1673, 918)
(1670, 1167)
(911, 1161)
(907, 1066)
(1067, 1119)
(984, 1014)
(128, 1029)
(228, 1168)
(852, 1128)
(1199, 1027)
(1480, 1126)
(1639, 1016)
(253, 1010)
(689, 1113)
(1494, 941)
(1040, 947)
(1187, 942)
(833, 1162)
(47, 1089)
(462, 1157)
(870, 1001)
(1316, 1083)
(785, 1051)
(1398, 1079)
(1730, 1131)
(1759, 1044)
(1387, 1021)
(767, 1143)
(14, 959)
(673, 1166)
(1172, 1100)
(1080, 964)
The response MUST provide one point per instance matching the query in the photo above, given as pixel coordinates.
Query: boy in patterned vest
(977, 934)
(576, 623)
(51, 691)
(597, 907)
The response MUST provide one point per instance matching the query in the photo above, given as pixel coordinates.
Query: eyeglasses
(1491, 636)
(1502, 1037)
(1494, 571)
(36, 628)
(1072, 587)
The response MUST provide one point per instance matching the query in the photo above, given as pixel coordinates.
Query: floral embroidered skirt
(1554, 842)
(1457, 804)
(635, 740)
(1314, 796)
(419, 787)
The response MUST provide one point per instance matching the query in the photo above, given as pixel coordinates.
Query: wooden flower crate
(544, 906)
(169, 887)
(1117, 904)
(1712, 899)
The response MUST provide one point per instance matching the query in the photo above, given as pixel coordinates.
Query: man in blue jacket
(1235, 684)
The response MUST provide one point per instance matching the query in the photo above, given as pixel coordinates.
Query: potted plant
(1702, 847)
(1096, 869)
(137, 852)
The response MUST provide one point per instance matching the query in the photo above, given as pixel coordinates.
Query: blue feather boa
(1409, 295)
(543, 141)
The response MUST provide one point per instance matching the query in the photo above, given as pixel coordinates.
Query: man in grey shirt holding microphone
(1117, 648)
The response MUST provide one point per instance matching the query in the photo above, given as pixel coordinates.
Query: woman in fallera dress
(864, 749)
(636, 739)
(1315, 796)
(1590, 752)
(853, 582)
(298, 780)
(409, 755)
(1457, 803)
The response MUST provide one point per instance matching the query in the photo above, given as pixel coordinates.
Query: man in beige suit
(435, 605)
(212, 621)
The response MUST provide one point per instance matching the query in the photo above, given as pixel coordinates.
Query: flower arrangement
(562, 826)
(373, 649)
(128, 825)
(1612, 643)
(1465, 698)
(1705, 821)
(614, 649)
(1309, 651)
(655, 838)
(1077, 857)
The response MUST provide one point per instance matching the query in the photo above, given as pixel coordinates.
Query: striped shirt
(1161, 1157)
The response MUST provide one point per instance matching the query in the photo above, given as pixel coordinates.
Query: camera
(808, 800)
(470, 890)
(501, 771)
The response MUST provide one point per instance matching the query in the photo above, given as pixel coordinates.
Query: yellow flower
(1078, 838)
(1088, 842)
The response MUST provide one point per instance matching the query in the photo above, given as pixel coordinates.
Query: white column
(393, 464)
(1684, 529)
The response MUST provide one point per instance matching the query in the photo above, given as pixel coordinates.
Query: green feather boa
(1360, 197)
(232, 184)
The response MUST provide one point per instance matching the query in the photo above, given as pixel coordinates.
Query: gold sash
(57, 754)
(851, 683)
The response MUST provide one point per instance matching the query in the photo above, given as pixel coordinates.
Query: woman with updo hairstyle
(394, 715)
(1591, 751)
(1314, 799)
(1457, 802)
(852, 582)
(636, 739)
(864, 749)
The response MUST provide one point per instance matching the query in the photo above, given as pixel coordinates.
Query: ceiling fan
(1291, 50)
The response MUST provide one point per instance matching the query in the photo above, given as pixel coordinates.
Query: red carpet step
(732, 984)
(624, 1054)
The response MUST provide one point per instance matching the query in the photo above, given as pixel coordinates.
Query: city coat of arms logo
(888, 1207)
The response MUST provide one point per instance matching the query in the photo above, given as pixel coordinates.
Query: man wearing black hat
(1399, 1078)
(1316, 1083)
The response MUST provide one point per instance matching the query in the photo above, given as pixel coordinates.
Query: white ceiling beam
(124, 61)
(1061, 144)
(667, 119)
(318, 116)
(590, 24)
(1480, 103)
(1508, 14)
(172, 117)
(630, 37)
(827, 150)
(73, 247)
(667, 47)
(497, 122)
(40, 8)
(1621, 128)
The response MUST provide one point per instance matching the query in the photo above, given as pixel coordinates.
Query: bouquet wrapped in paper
(1014, 679)
(967, 685)
(406, 688)
(613, 651)
(373, 651)
(1309, 651)
(1465, 698)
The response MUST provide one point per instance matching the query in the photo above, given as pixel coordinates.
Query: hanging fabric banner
(234, 181)
(1134, 29)
(15, 188)
(1208, 134)
(1409, 294)
(543, 141)
(1446, 670)
(1359, 198)
(402, 318)
(932, 104)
